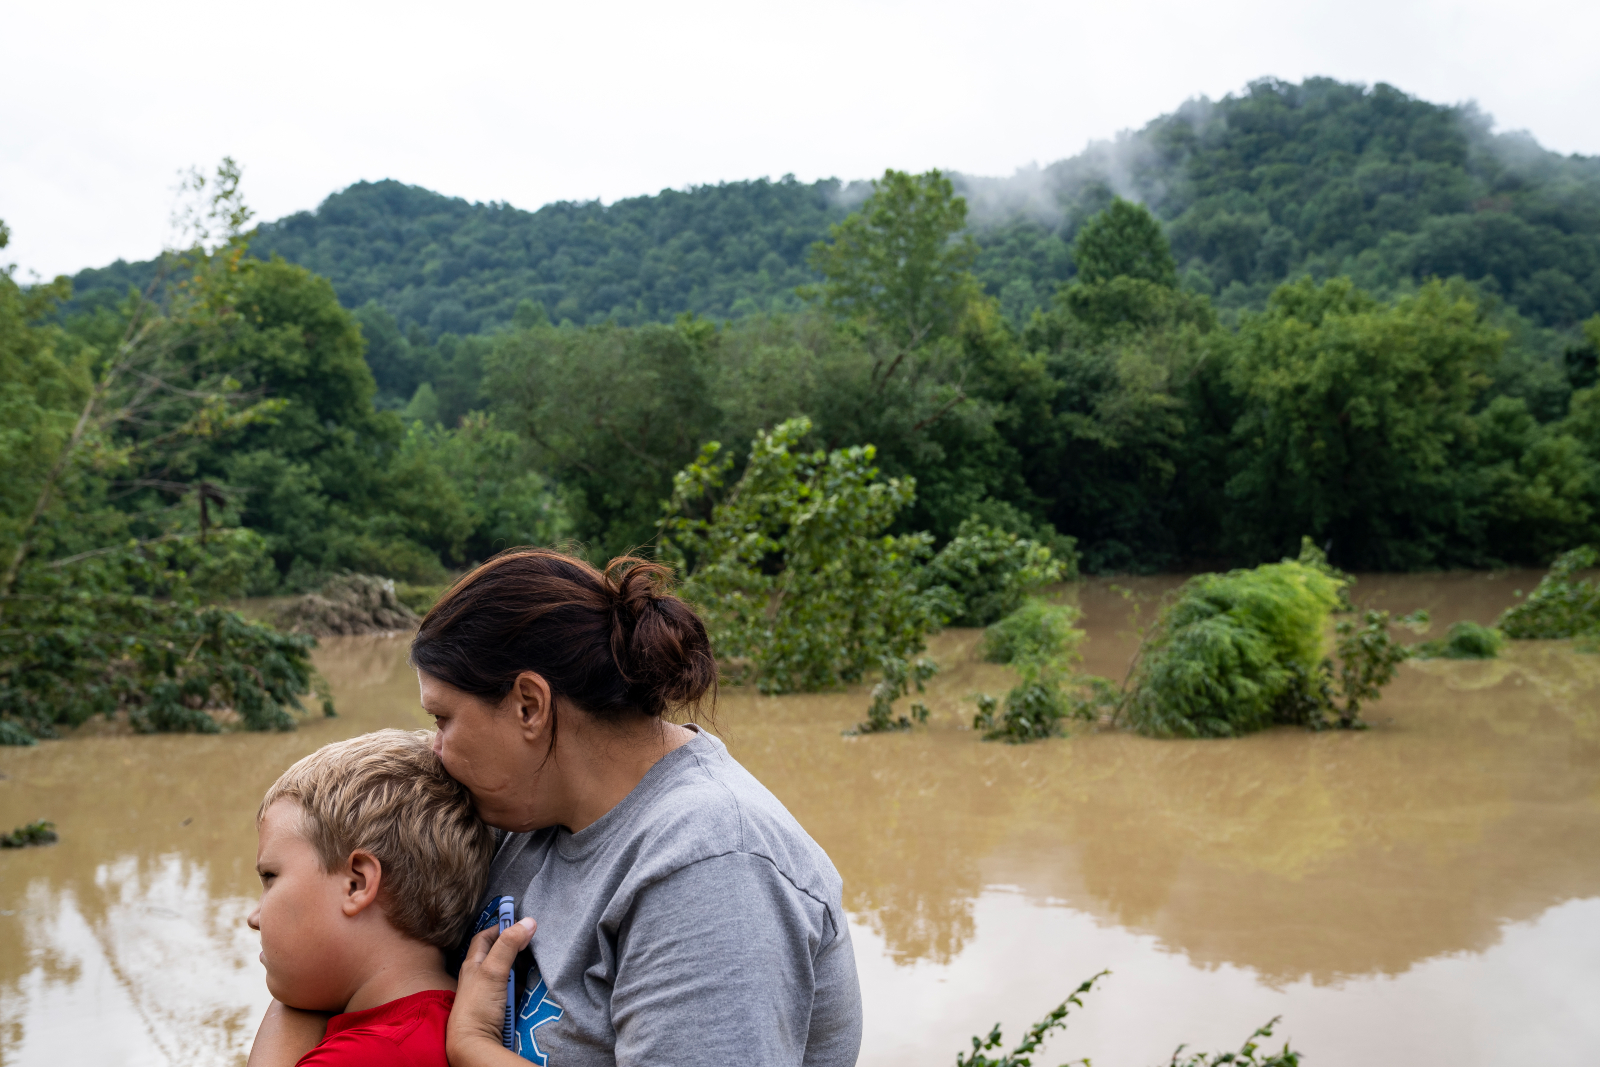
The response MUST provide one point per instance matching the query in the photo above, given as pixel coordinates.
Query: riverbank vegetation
(1158, 402)
(114, 540)
(1022, 1055)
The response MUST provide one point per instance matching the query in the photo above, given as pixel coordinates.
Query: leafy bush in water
(126, 631)
(1022, 1055)
(990, 571)
(1039, 640)
(40, 832)
(791, 568)
(898, 678)
(1562, 605)
(1368, 659)
(1464, 640)
(1033, 711)
(1232, 651)
(1035, 632)
(1241, 651)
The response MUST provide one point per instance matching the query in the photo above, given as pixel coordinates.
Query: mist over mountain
(1320, 178)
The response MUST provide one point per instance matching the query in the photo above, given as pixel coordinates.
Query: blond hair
(387, 793)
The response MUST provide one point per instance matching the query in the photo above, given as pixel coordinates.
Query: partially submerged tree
(992, 571)
(1238, 652)
(791, 566)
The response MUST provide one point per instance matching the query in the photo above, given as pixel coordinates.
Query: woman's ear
(363, 874)
(533, 705)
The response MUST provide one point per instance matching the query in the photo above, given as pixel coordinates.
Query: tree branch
(941, 413)
(135, 544)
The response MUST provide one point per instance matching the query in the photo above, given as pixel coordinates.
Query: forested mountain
(1326, 179)
(1320, 178)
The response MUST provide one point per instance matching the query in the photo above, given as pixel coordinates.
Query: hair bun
(660, 645)
(636, 584)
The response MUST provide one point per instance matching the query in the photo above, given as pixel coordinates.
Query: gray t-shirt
(694, 923)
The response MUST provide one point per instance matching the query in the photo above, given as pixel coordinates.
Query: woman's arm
(473, 1036)
(285, 1035)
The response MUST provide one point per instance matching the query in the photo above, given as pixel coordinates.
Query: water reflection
(1310, 872)
(144, 957)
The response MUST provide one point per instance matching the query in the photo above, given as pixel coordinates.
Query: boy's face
(304, 932)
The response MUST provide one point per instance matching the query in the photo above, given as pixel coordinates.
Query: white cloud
(101, 104)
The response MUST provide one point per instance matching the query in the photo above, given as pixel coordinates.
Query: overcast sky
(101, 104)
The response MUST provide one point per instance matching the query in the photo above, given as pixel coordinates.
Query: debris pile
(348, 604)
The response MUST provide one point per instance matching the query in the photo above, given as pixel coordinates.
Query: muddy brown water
(1427, 891)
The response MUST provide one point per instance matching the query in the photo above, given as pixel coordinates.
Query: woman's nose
(253, 920)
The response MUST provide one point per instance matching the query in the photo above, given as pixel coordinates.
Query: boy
(370, 855)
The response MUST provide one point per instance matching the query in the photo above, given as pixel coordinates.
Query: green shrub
(1561, 605)
(1237, 652)
(898, 678)
(1464, 640)
(1368, 656)
(13, 734)
(124, 631)
(1035, 631)
(1034, 710)
(1039, 640)
(1231, 651)
(990, 571)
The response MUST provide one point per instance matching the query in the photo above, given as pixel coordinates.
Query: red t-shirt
(408, 1032)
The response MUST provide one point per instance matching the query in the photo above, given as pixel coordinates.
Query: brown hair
(615, 643)
(387, 793)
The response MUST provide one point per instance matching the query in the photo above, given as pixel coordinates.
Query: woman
(683, 916)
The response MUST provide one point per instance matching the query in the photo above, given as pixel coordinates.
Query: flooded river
(1426, 892)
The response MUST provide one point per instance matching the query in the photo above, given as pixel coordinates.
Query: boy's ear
(363, 874)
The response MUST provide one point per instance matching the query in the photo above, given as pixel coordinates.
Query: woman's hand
(473, 1036)
(285, 1035)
